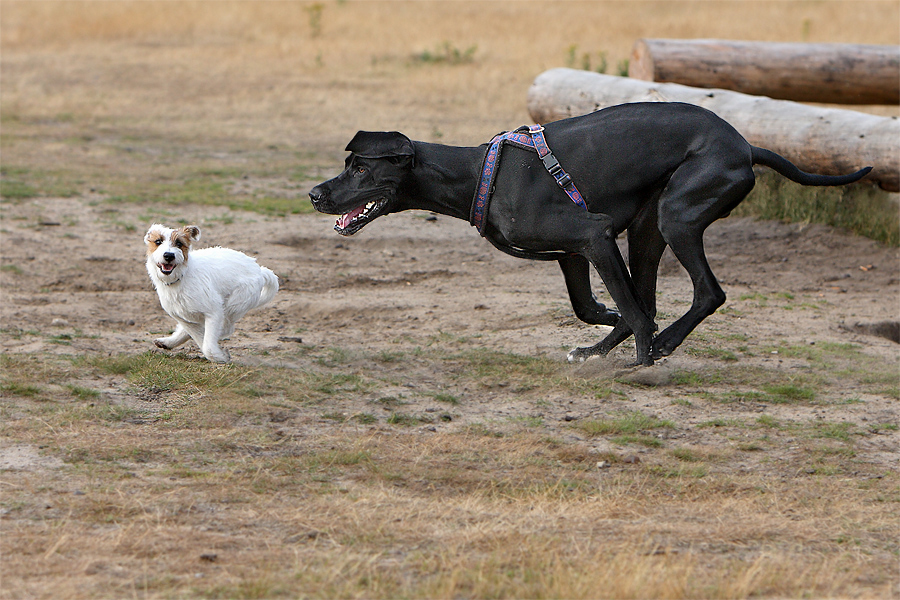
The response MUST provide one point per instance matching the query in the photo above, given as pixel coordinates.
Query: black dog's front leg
(576, 271)
(604, 254)
(645, 249)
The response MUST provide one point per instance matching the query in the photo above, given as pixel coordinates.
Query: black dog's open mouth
(356, 219)
(166, 268)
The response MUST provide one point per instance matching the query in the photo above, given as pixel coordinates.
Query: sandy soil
(410, 278)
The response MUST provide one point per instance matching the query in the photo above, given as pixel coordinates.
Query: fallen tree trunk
(829, 141)
(832, 73)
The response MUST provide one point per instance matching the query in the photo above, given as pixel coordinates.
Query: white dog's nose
(169, 256)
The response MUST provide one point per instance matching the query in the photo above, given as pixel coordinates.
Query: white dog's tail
(270, 287)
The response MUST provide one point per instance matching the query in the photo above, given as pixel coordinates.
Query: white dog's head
(168, 249)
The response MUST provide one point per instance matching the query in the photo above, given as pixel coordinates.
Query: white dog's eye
(158, 242)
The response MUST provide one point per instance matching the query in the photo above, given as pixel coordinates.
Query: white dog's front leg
(212, 333)
(178, 337)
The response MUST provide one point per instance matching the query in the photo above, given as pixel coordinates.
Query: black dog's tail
(761, 156)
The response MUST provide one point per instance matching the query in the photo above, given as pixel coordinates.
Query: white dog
(206, 291)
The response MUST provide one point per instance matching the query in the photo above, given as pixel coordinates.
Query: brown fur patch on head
(155, 234)
(192, 231)
(182, 239)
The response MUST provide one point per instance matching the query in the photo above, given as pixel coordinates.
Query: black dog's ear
(381, 144)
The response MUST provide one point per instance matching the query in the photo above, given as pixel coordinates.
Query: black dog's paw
(599, 315)
(609, 317)
(579, 355)
(659, 348)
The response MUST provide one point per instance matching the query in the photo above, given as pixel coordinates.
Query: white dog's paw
(220, 355)
(163, 343)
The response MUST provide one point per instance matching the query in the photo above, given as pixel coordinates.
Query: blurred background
(276, 82)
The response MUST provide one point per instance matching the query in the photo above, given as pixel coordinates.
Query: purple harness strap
(531, 138)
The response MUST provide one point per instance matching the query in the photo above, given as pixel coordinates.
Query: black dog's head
(368, 186)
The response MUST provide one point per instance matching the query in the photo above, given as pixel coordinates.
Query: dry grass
(179, 479)
(375, 515)
(229, 483)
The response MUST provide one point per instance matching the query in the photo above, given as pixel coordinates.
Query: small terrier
(206, 291)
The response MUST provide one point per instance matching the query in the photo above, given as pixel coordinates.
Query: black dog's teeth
(365, 212)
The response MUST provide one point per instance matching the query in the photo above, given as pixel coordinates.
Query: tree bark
(829, 141)
(830, 73)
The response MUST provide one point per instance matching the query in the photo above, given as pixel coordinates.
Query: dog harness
(530, 138)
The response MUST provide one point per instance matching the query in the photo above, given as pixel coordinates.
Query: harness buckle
(551, 164)
(564, 181)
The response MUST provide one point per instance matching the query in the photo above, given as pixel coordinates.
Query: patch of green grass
(14, 269)
(447, 54)
(365, 418)
(641, 440)
(627, 423)
(679, 471)
(402, 419)
(750, 447)
(787, 393)
(335, 416)
(64, 339)
(209, 188)
(834, 431)
(739, 396)
(21, 183)
(528, 421)
(481, 430)
(386, 356)
(162, 372)
(16, 190)
(768, 421)
(596, 62)
(389, 401)
(685, 455)
(484, 362)
(446, 398)
(333, 383)
(696, 378)
(336, 357)
(862, 208)
(713, 353)
(16, 388)
(720, 422)
(83, 393)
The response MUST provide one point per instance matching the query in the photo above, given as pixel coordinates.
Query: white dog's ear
(192, 232)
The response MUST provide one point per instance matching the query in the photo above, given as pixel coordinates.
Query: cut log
(829, 141)
(830, 73)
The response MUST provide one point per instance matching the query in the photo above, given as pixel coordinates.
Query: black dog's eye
(178, 244)
(159, 242)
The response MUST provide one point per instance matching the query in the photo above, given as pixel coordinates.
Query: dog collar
(530, 138)
(172, 282)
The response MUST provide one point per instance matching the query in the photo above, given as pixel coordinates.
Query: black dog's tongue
(344, 220)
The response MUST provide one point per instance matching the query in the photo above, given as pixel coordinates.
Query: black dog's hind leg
(576, 271)
(645, 249)
(691, 197)
(604, 254)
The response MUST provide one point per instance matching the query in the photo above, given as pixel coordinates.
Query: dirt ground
(409, 278)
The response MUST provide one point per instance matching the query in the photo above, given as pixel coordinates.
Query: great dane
(662, 171)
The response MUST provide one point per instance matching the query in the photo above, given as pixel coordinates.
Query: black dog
(663, 171)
